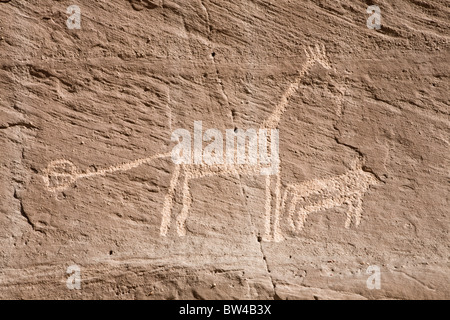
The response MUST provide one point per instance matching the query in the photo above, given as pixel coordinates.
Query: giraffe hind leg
(268, 209)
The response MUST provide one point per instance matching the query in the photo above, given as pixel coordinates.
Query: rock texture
(366, 137)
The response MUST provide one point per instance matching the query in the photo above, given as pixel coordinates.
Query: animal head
(317, 54)
(357, 168)
(356, 164)
(59, 175)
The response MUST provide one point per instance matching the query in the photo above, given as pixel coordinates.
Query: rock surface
(374, 126)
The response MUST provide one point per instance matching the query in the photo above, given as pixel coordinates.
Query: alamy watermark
(374, 281)
(74, 21)
(374, 21)
(74, 280)
(255, 148)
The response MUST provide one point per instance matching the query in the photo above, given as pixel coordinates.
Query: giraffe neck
(273, 121)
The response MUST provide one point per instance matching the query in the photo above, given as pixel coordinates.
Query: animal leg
(358, 210)
(351, 202)
(187, 200)
(276, 224)
(291, 211)
(302, 214)
(354, 211)
(325, 204)
(267, 216)
(168, 202)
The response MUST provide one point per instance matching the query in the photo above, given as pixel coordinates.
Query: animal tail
(60, 174)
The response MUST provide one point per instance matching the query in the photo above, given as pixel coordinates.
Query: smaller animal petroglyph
(322, 194)
(60, 174)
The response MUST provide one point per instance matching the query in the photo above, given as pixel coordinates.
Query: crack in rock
(24, 213)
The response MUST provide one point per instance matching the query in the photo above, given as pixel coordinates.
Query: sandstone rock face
(359, 208)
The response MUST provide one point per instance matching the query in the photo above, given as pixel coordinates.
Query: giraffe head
(317, 54)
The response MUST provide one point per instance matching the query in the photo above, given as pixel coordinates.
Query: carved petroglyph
(60, 174)
(322, 194)
(195, 171)
(309, 197)
(190, 172)
(314, 55)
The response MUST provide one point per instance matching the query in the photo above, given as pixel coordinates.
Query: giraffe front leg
(284, 203)
(268, 208)
(278, 237)
(187, 200)
(168, 202)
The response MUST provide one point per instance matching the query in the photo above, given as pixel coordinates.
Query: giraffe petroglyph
(195, 171)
